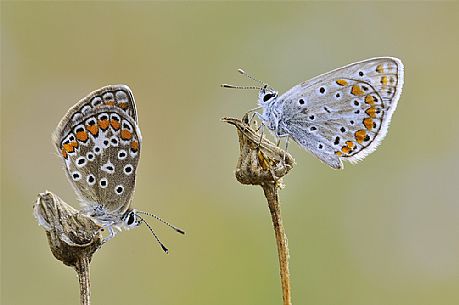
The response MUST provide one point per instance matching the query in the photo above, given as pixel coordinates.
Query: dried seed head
(71, 235)
(260, 160)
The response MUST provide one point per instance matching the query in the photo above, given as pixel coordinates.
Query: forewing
(345, 113)
(119, 96)
(101, 151)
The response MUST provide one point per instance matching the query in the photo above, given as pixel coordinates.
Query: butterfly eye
(268, 96)
(131, 219)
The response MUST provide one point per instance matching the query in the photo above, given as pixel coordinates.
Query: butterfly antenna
(250, 77)
(163, 221)
(154, 234)
(239, 87)
(263, 85)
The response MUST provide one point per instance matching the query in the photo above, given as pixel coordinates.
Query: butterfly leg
(260, 117)
(286, 147)
(262, 128)
(112, 233)
(252, 119)
(249, 116)
(278, 141)
(253, 110)
(279, 138)
(286, 143)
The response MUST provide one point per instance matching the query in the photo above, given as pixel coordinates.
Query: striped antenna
(154, 234)
(161, 220)
(263, 85)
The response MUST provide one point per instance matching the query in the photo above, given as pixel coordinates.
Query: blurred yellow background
(385, 231)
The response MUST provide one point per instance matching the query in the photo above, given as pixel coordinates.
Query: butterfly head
(266, 95)
(131, 219)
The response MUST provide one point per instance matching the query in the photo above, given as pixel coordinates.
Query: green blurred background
(385, 231)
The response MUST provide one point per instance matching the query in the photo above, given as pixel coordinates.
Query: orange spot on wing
(93, 129)
(370, 100)
(338, 153)
(110, 103)
(384, 80)
(123, 105)
(74, 144)
(360, 135)
(103, 124)
(82, 136)
(69, 147)
(64, 153)
(345, 149)
(126, 134)
(380, 69)
(356, 90)
(341, 82)
(368, 122)
(350, 144)
(135, 146)
(115, 124)
(371, 112)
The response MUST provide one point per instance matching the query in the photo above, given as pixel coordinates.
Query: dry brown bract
(72, 236)
(260, 160)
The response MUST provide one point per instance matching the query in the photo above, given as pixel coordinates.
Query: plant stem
(82, 269)
(270, 190)
(262, 163)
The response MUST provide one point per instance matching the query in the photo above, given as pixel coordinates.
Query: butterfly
(99, 141)
(343, 114)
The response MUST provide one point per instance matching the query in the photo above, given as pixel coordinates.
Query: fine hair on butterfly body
(99, 141)
(343, 114)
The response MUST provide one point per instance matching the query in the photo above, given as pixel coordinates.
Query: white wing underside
(342, 114)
